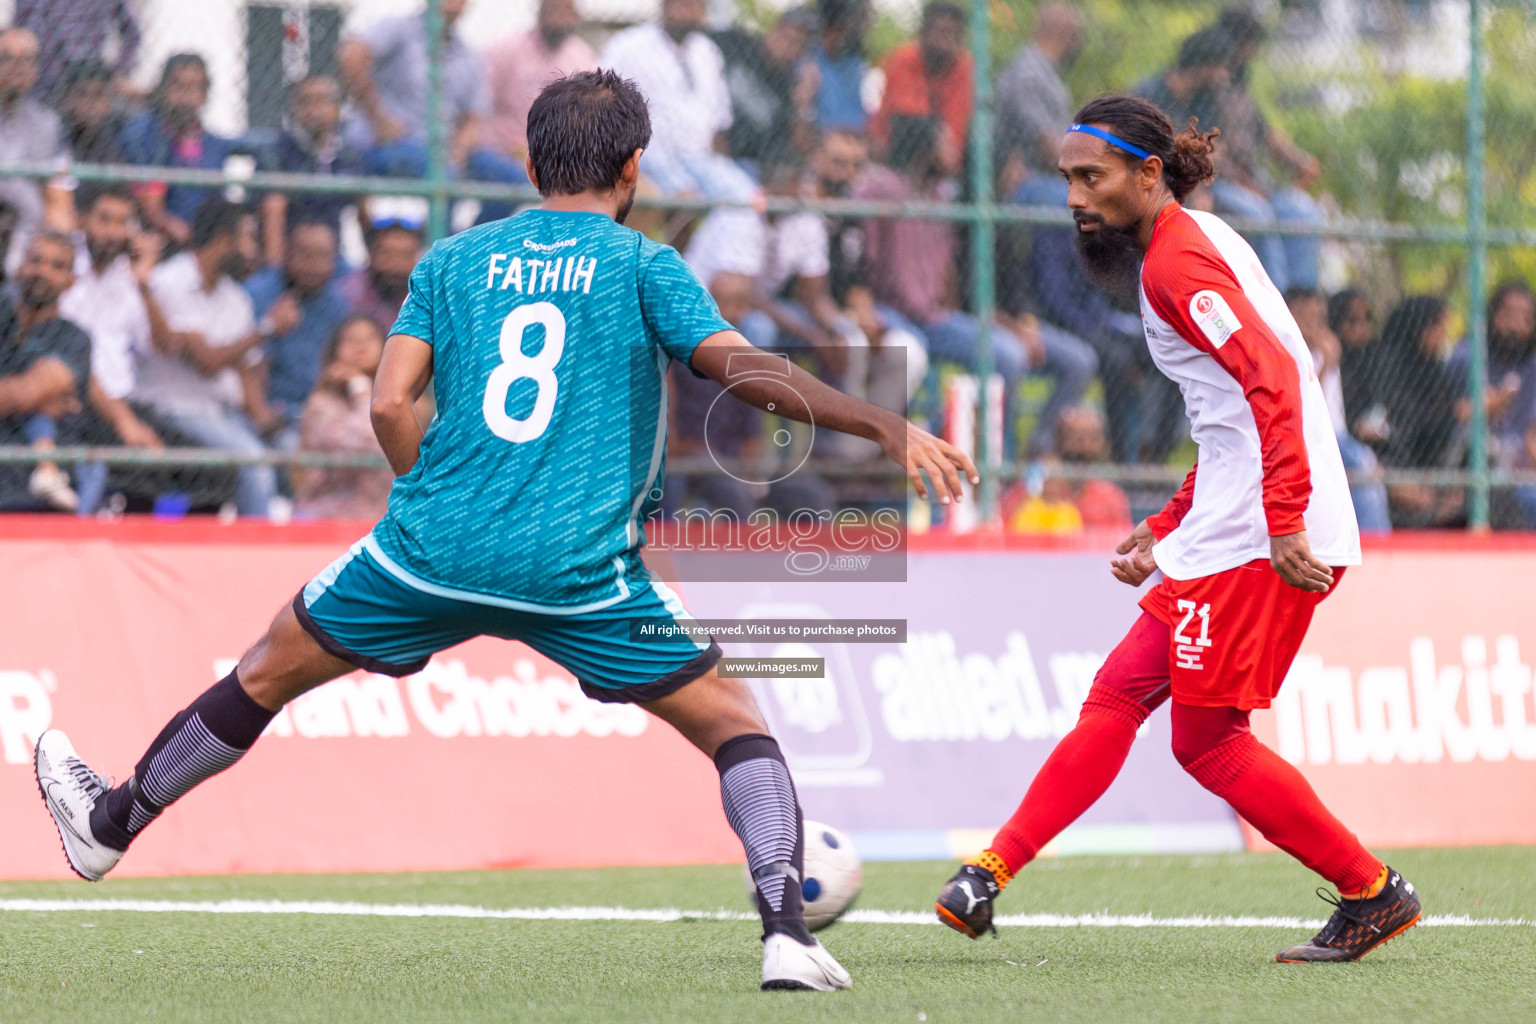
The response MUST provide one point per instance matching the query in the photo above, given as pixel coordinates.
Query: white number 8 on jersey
(516, 366)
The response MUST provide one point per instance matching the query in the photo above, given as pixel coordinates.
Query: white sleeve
(804, 245)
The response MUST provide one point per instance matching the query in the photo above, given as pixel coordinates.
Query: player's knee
(1106, 699)
(1197, 731)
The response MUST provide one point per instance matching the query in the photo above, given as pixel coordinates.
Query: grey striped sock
(760, 804)
(192, 755)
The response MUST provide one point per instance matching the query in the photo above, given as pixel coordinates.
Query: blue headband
(1113, 140)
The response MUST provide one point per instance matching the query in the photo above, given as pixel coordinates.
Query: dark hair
(1409, 320)
(913, 141)
(57, 238)
(174, 63)
(1339, 304)
(1505, 289)
(1186, 156)
(313, 76)
(1208, 48)
(1242, 26)
(92, 192)
(341, 328)
(936, 9)
(312, 222)
(1301, 293)
(384, 227)
(215, 218)
(89, 69)
(840, 13)
(582, 129)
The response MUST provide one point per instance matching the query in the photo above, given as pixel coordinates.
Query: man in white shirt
(193, 377)
(681, 73)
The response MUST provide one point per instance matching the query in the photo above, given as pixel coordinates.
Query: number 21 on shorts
(516, 366)
(1188, 649)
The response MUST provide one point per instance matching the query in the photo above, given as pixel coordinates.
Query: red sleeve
(1192, 288)
(1168, 520)
(958, 98)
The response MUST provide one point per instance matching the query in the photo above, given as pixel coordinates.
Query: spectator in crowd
(911, 269)
(1250, 143)
(681, 73)
(1350, 319)
(88, 109)
(196, 377)
(841, 65)
(1423, 409)
(336, 419)
(1511, 370)
(838, 160)
(377, 289)
(932, 77)
(112, 302)
(773, 91)
(1051, 503)
(734, 438)
(1192, 87)
(45, 372)
(292, 359)
(28, 131)
(171, 134)
(519, 66)
(68, 31)
(310, 143)
(384, 69)
(1034, 106)
(1309, 308)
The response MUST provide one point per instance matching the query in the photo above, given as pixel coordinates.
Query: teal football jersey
(551, 334)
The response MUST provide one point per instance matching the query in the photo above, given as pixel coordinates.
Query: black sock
(212, 733)
(760, 804)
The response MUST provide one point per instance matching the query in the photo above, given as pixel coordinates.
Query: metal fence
(1420, 114)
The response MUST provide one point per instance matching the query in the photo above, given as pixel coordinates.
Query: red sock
(1272, 796)
(1075, 774)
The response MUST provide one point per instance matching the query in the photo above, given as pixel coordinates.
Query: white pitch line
(856, 916)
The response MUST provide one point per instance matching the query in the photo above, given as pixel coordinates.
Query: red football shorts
(1232, 635)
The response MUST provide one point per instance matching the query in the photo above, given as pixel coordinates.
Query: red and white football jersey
(1269, 463)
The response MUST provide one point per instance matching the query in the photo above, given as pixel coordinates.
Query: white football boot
(789, 965)
(70, 790)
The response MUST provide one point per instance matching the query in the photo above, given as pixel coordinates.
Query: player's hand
(1292, 558)
(920, 452)
(1136, 563)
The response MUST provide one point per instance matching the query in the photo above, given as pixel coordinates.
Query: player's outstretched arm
(404, 372)
(759, 378)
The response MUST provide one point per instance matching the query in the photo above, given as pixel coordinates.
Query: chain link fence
(845, 174)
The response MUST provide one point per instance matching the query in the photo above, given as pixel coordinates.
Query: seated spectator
(45, 373)
(28, 131)
(112, 302)
(773, 91)
(1309, 308)
(1040, 271)
(196, 377)
(1511, 369)
(377, 289)
(70, 31)
(735, 436)
(932, 77)
(1350, 319)
(171, 134)
(292, 358)
(1249, 144)
(384, 69)
(1054, 504)
(1424, 409)
(911, 269)
(336, 419)
(1034, 105)
(1192, 87)
(841, 65)
(518, 67)
(310, 143)
(681, 73)
(88, 108)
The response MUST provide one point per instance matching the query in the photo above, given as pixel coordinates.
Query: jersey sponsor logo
(1214, 317)
(564, 243)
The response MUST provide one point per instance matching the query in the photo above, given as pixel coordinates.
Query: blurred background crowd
(185, 312)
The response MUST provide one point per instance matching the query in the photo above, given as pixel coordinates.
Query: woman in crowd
(336, 419)
(1422, 409)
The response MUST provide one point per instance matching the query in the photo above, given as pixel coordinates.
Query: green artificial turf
(119, 966)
